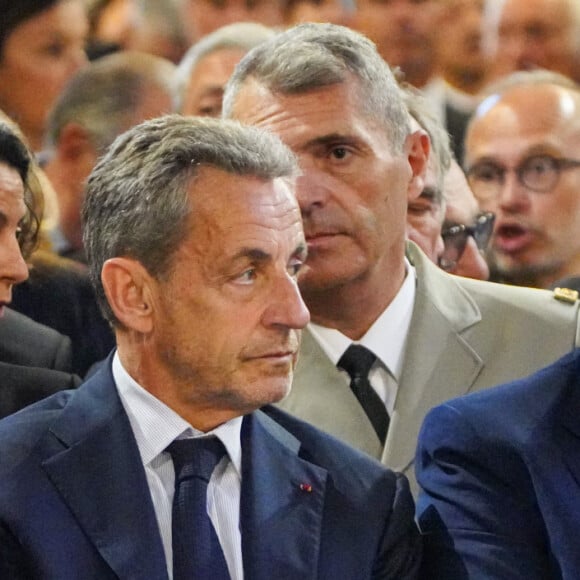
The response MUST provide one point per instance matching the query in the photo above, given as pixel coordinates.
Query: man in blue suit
(500, 478)
(194, 239)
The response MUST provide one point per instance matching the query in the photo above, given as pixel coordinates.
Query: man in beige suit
(326, 92)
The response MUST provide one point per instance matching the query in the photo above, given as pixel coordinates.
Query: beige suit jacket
(465, 335)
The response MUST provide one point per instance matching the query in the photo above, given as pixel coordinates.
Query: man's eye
(485, 173)
(295, 267)
(18, 233)
(339, 152)
(247, 277)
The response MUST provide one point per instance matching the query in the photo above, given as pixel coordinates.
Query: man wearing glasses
(522, 162)
(466, 230)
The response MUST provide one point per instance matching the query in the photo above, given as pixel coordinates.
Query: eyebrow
(330, 139)
(259, 256)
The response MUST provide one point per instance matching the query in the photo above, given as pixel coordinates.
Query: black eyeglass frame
(480, 231)
(559, 164)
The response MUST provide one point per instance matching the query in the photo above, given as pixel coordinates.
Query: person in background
(208, 64)
(425, 214)
(444, 221)
(462, 57)
(532, 34)
(207, 315)
(466, 230)
(200, 17)
(406, 32)
(108, 97)
(335, 11)
(159, 30)
(41, 49)
(523, 164)
(385, 319)
(33, 358)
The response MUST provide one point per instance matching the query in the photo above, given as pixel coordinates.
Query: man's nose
(286, 308)
(513, 195)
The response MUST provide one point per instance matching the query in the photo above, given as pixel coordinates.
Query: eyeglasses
(455, 239)
(539, 173)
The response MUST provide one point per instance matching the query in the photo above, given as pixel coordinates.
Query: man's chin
(510, 271)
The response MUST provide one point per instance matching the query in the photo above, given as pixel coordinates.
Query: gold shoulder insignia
(566, 295)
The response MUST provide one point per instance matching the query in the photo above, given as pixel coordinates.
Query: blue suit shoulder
(21, 431)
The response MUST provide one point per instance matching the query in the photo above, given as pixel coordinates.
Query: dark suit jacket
(25, 342)
(61, 296)
(500, 472)
(21, 386)
(74, 501)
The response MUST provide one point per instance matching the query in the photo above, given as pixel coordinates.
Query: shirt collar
(386, 338)
(155, 425)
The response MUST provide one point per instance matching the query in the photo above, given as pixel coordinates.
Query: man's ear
(130, 290)
(418, 148)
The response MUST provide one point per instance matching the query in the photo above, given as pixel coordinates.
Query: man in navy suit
(194, 240)
(500, 478)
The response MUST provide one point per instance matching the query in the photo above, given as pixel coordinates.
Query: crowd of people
(289, 288)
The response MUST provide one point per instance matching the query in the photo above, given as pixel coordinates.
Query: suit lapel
(281, 504)
(439, 363)
(93, 448)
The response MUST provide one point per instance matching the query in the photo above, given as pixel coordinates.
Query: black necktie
(197, 552)
(357, 362)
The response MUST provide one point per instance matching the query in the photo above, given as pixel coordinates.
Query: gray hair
(103, 97)
(313, 56)
(422, 111)
(137, 202)
(241, 35)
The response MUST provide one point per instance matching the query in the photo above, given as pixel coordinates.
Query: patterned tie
(197, 552)
(357, 362)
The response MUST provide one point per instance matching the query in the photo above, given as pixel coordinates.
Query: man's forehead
(529, 108)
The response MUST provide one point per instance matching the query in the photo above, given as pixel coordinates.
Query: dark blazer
(21, 386)
(25, 342)
(500, 472)
(74, 501)
(60, 295)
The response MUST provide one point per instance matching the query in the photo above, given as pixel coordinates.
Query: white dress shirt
(386, 339)
(155, 426)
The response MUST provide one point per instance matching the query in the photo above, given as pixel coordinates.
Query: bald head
(523, 163)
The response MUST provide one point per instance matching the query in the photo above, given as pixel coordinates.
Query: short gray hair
(103, 97)
(313, 56)
(137, 201)
(240, 35)
(422, 111)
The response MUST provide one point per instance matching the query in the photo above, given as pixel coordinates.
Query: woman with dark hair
(41, 48)
(32, 357)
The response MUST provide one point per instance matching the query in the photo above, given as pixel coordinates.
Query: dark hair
(15, 154)
(15, 12)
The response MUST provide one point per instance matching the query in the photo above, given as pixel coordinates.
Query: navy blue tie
(357, 362)
(197, 553)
